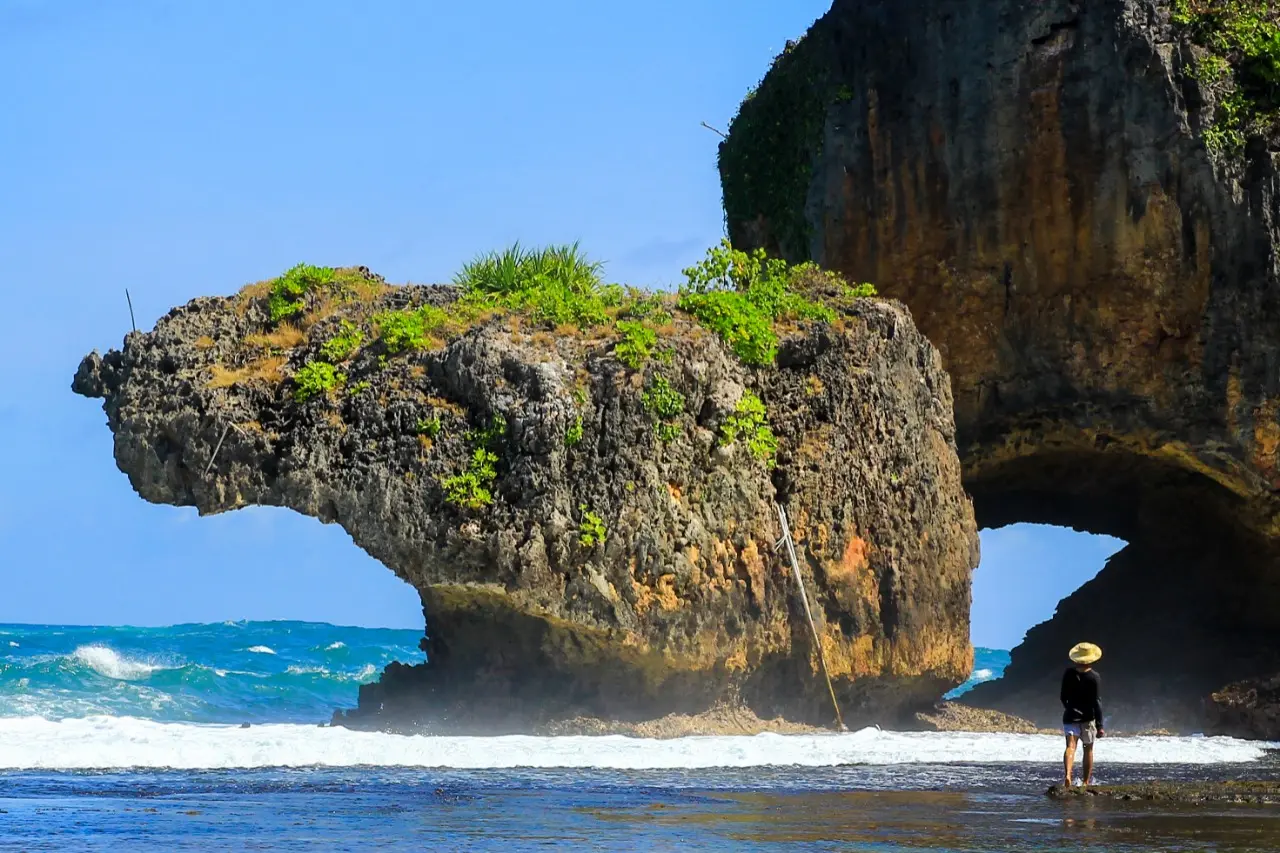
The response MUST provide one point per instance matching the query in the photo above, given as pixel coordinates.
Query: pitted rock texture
(1030, 178)
(685, 607)
(1246, 709)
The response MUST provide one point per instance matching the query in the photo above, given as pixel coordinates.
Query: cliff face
(1059, 193)
(616, 559)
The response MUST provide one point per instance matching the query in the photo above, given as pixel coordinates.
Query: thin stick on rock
(226, 429)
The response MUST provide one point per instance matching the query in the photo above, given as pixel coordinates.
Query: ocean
(132, 739)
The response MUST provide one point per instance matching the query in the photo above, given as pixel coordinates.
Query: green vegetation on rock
(1239, 64)
(473, 488)
(316, 378)
(557, 285)
(420, 328)
(573, 435)
(289, 291)
(430, 427)
(666, 404)
(637, 343)
(591, 531)
(739, 296)
(750, 422)
(344, 344)
(766, 164)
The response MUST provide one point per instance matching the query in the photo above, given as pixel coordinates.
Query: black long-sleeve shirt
(1080, 701)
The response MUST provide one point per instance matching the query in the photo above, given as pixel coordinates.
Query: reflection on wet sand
(906, 820)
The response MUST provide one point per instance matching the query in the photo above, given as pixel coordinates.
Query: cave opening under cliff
(1026, 571)
(1185, 607)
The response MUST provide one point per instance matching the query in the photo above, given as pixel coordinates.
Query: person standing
(1081, 707)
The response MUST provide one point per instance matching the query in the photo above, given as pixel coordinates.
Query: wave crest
(115, 742)
(109, 663)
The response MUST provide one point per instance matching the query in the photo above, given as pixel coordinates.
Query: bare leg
(1088, 764)
(1069, 758)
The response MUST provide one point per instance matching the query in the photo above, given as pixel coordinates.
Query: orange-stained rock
(1030, 179)
(685, 606)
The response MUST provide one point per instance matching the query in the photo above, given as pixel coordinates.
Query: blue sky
(186, 148)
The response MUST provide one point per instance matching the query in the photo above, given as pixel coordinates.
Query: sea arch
(1100, 282)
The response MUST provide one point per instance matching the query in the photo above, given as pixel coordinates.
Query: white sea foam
(261, 650)
(982, 675)
(12, 644)
(332, 647)
(366, 672)
(121, 742)
(111, 664)
(295, 669)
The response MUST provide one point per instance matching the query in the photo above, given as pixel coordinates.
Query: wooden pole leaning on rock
(129, 299)
(226, 429)
(804, 599)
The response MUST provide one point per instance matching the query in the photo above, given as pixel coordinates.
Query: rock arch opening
(1182, 609)
(1026, 570)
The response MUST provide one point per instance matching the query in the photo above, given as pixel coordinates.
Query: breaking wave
(273, 672)
(113, 742)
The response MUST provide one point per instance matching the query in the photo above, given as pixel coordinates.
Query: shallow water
(130, 739)
(927, 807)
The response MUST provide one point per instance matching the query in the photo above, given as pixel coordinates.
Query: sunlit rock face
(1031, 179)
(673, 600)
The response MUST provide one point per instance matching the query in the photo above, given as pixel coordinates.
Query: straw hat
(1085, 653)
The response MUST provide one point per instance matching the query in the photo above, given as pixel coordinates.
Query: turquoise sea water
(134, 739)
(229, 672)
(988, 665)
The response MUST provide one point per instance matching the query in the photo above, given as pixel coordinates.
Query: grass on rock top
(327, 318)
(744, 298)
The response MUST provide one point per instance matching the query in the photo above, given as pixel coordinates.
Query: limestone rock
(1032, 180)
(684, 606)
(1247, 709)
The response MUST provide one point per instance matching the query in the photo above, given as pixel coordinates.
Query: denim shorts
(1086, 733)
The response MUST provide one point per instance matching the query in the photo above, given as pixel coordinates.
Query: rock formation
(1081, 212)
(1246, 709)
(576, 553)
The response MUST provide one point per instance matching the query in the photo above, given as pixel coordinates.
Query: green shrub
(666, 404)
(472, 489)
(289, 291)
(557, 285)
(573, 435)
(865, 290)
(739, 296)
(647, 307)
(491, 436)
(636, 346)
(344, 344)
(315, 378)
(420, 328)
(750, 422)
(429, 427)
(740, 324)
(591, 531)
(1241, 66)
(360, 387)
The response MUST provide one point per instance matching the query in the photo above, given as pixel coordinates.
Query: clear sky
(187, 148)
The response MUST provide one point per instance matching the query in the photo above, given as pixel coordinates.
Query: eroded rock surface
(1246, 709)
(684, 606)
(1032, 180)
